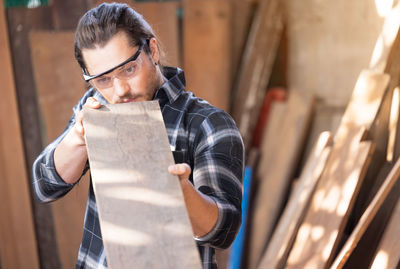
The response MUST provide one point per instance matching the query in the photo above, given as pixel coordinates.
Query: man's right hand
(70, 155)
(78, 127)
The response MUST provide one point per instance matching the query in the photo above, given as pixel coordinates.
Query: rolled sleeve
(47, 183)
(218, 172)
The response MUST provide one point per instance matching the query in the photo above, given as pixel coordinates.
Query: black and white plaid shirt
(199, 134)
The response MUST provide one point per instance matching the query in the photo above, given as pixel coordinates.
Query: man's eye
(102, 80)
(129, 70)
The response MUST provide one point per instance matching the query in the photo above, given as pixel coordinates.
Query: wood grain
(259, 56)
(18, 246)
(275, 181)
(59, 87)
(285, 233)
(142, 213)
(207, 49)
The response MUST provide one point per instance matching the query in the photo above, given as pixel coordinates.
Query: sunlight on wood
(386, 38)
(124, 236)
(330, 201)
(143, 195)
(381, 260)
(347, 193)
(317, 232)
(302, 237)
(328, 248)
(394, 117)
(383, 7)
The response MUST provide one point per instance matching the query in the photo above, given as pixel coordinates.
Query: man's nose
(121, 87)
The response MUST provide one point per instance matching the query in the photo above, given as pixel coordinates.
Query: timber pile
(343, 210)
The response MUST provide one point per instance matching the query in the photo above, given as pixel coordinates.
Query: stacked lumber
(343, 211)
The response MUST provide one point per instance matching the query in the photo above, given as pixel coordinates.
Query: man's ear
(155, 53)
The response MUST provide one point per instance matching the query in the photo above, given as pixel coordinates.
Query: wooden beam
(259, 55)
(207, 49)
(21, 21)
(275, 181)
(387, 255)
(367, 217)
(393, 122)
(284, 235)
(18, 247)
(143, 218)
(53, 57)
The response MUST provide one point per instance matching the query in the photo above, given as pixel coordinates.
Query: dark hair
(100, 24)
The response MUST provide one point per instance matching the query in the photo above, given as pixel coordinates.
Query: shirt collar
(173, 87)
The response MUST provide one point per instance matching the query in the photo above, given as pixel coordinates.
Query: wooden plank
(53, 57)
(367, 217)
(275, 181)
(388, 255)
(340, 182)
(20, 22)
(393, 122)
(242, 11)
(66, 14)
(259, 55)
(323, 224)
(382, 55)
(18, 247)
(141, 208)
(207, 49)
(284, 235)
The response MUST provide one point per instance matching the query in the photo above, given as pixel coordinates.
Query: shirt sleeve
(47, 183)
(218, 172)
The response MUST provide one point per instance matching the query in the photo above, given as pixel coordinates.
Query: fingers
(182, 170)
(90, 103)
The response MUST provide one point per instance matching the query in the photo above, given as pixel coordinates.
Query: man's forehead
(102, 58)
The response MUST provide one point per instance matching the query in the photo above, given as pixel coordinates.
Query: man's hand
(70, 155)
(182, 170)
(202, 210)
(78, 127)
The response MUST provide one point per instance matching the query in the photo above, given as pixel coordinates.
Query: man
(120, 58)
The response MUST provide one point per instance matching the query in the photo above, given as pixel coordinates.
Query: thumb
(182, 170)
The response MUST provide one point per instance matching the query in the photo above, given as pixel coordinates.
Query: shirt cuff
(217, 227)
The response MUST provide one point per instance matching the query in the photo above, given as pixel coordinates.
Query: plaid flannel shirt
(200, 135)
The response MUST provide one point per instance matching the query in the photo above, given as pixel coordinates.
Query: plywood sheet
(207, 49)
(142, 213)
(18, 246)
(259, 56)
(275, 181)
(59, 87)
(284, 235)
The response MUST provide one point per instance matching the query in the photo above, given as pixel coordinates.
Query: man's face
(135, 81)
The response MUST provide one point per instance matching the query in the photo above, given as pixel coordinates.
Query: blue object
(235, 256)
